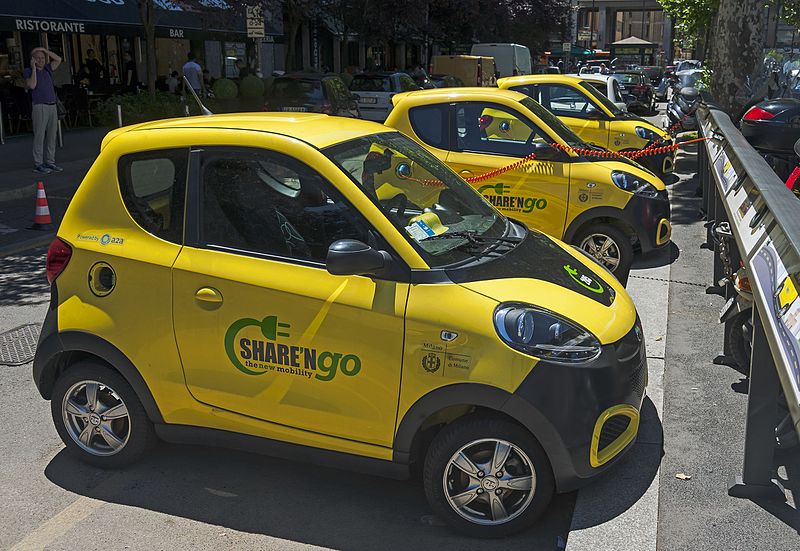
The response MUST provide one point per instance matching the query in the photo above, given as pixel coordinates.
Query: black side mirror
(546, 152)
(352, 257)
(595, 114)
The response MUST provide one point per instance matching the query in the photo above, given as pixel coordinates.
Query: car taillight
(484, 121)
(792, 179)
(58, 256)
(757, 114)
(327, 107)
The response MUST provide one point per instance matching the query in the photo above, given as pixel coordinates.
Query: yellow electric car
(606, 206)
(593, 117)
(325, 289)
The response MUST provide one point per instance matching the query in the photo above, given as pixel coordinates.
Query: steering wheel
(399, 202)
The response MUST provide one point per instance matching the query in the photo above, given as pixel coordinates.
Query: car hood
(544, 272)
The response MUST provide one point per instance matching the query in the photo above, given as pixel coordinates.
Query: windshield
(420, 196)
(295, 88)
(549, 119)
(370, 84)
(628, 78)
(598, 93)
(692, 79)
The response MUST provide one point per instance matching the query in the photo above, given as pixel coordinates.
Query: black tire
(141, 435)
(623, 244)
(466, 431)
(738, 340)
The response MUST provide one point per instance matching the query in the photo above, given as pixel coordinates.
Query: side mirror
(546, 152)
(595, 115)
(352, 257)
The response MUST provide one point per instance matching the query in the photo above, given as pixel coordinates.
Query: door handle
(466, 173)
(208, 294)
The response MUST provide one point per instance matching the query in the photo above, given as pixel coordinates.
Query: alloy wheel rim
(603, 249)
(489, 481)
(96, 418)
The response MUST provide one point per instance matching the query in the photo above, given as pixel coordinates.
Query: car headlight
(633, 184)
(645, 133)
(544, 335)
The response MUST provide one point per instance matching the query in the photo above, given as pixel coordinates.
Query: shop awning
(67, 16)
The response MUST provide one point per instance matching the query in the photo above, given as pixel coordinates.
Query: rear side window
(153, 188)
(430, 124)
(370, 84)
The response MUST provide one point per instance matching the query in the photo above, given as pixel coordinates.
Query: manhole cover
(18, 346)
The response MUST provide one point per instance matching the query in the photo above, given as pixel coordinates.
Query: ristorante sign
(50, 26)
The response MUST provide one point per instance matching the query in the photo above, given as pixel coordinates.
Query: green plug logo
(583, 280)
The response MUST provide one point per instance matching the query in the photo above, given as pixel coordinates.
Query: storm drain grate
(18, 345)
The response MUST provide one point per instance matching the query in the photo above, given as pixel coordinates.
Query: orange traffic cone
(41, 216)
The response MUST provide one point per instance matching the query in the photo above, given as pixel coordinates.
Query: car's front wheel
(609, 247)
(99, 417)
(487, 477)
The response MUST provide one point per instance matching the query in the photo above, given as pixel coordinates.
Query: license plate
(368, 100)
(726, 307)
(295, 109)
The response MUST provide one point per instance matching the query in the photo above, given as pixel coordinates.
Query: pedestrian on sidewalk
(39, 80)
(194, 74)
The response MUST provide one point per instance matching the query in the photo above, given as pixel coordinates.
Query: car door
(577, 110)
(262, 328)
(488, 136)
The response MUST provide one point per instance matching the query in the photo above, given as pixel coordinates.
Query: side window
(429, 122)
(266, 202)
(407, 84)
(530, 90)
(153, 188)
(565, 101)
(496, 129)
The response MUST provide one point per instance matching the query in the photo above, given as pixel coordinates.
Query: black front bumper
(650, 217)
(574, 399)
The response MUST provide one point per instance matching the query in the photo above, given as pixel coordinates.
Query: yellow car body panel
(612, 132)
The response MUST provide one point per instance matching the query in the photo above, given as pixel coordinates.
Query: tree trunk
(294, 26)
(147, 13)
(737, 46)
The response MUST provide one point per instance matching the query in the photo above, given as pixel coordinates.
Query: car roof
(626, 72)
(373, 74)
(305, 76)
(315, 129)
(548, 77)
(462, 93)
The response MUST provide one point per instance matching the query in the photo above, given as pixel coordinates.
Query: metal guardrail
(740, 188)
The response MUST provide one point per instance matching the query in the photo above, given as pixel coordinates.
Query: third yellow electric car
(593, 117)
(609, 207)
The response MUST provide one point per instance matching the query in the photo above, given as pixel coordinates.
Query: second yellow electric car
(609, 207)
(594, 118)
(324, 289)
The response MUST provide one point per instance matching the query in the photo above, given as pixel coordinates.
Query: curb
(32, 243)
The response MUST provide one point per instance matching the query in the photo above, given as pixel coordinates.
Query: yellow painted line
(58, 525)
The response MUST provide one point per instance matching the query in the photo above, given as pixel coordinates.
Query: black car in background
(636, 89)
(654, 73)
(773, 127)
(313, 93)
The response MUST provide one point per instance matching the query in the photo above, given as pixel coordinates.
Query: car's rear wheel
(99, 417)
(609, 247)
(487, 477)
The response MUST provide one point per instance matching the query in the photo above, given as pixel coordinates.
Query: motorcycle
(793, 180)
(681, 109)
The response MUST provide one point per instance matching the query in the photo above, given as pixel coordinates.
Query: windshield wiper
(474, 238)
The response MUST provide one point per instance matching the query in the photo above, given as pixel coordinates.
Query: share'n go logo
(500, 196)
(256, 347)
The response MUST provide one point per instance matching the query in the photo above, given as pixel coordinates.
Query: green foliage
(139, 108)
(791, 12)
(251, 87)
(346, 77)
(692, 17)
(225, 88)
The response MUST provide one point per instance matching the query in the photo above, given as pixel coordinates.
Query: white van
(510, 59)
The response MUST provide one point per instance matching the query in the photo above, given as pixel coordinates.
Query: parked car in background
(587, 112)
(662, 89)
(654, 73)
(375, 91)
(636, 89)
(773, 126)
(446, 81)
(470, 69)
(309, 92)
(607, 86)
(509, 59)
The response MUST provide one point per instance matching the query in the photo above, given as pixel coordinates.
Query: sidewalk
(18, 184)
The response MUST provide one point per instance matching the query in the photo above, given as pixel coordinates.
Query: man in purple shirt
(39, 80)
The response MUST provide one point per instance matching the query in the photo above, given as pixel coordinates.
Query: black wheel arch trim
(600, 212)
(53, 345)
(481, 395)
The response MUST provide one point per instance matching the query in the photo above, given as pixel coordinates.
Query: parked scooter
(793, 181)
(682, 107)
